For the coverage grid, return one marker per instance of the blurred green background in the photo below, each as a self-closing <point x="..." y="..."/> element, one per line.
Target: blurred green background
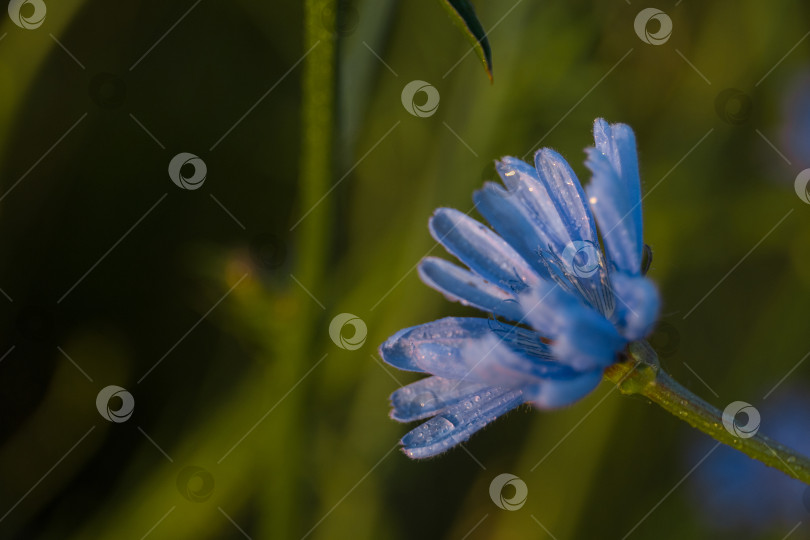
<point x="212" y="306"/>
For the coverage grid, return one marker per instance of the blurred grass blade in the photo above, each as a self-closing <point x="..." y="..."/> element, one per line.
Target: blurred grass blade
<point x="20" y="68"/>
<point x="463" y="14"/>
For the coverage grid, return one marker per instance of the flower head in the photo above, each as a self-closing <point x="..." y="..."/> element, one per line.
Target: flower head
<point x="562" y="308"/>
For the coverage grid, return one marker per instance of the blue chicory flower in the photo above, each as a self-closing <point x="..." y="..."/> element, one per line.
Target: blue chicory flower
<point x="562" y="309"/>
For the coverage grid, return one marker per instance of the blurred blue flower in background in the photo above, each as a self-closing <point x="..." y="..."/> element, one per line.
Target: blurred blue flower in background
<point x="735" y="493"/>
<point x="542" y="268"/>
<point x="795" y="132"/>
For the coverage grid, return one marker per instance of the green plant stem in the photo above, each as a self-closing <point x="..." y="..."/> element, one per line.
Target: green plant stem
<point x="318" y="128"/>
<point x="293" y="344"/>
<point x="641" y="374"/>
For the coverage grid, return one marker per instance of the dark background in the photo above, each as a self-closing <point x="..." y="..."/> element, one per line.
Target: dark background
<point x="109" y="270"/>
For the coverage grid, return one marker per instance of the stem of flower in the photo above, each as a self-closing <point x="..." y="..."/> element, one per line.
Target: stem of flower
<point x="641" y="374"/>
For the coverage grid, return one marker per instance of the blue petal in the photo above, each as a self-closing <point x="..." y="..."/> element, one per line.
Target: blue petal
<point x="615" y="194"/>
<point x="584" y="338"/>
<point x="495" y="360"/>
<point x="430" y="396"/>
<point x="528" y="342"/>
<point x="563" y="187"/>
<point x="462" y="349"/>
<point x="397" y="351"/>
<point x="588" y="342"/>
<point x="587" y="278"/>
<point x="618" y="143"/>
<point x="525" y="185"/>
<point x="637" y="305"/>
<point x="483" y="251"/>
<point x="457" y="423"/>
<point x="552" y="394"/>
<point x="510" y="219"/>
<point x="460" y="285"/>
<point x="549" y="307"/>
<point x="580" y="269"/>
<point x="553" y="198"/>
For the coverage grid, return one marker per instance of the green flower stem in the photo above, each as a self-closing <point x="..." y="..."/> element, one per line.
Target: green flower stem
<point x="318" y="103"/>
<point x="641" y="374"/>
<point x="293" y="344"/>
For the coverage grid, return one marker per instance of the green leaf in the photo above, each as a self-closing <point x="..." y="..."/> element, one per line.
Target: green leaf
<point x="463" y="14"/>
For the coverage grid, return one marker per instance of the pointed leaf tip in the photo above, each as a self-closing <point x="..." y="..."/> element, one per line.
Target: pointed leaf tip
<point x="463" y="15"/>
